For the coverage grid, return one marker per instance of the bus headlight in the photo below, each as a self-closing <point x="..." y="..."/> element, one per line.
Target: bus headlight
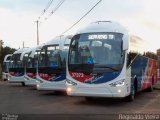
<point x="37" y="85"/>
<point x="9" y="77"/>
<point x="118" y="83"/>
<point x="69" y="82"/>
<point x="69" y="90"/>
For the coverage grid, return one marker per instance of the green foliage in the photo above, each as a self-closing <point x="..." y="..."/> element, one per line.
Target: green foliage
<point x="6" y="50"/>
<point x="151" y="55"/>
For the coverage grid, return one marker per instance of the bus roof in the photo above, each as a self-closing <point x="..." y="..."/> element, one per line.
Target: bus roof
<point x="103" y="26"/>
<point x="21" y="50"/>
<point x="24" y="52"/>
<point x="35" y="49"/>
<point x="61" y="40"/>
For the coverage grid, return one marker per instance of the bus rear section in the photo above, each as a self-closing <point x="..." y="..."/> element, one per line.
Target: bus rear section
<point x="98" y="63"/>
<point x="17" y="66"/>
<point x="31" y="67"/>
<point x="143" y="72"/>
<point x="52" y="64"/>
<point x="5" y="67"/>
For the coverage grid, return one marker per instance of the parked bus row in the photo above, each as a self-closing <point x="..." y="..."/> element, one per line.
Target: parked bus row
<point x="100" y="60"/>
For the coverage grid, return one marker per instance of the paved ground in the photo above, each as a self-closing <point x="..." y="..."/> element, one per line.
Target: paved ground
<point x="15" y="99"/>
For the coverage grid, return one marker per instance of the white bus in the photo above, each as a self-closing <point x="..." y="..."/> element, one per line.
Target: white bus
<point x="17" y="66"/>
<point x="52" y="64"/>
<point x="5" y="67"/>
<point x="105" y="61"/>
<point x="32" y="66"/>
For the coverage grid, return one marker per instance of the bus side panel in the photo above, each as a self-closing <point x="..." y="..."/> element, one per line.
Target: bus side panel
<point x="52" y="73"/>
<point x="150" y="74"/>
<point x="31" y="72"/>
<point x="17" y="72"/>
<point x="143" y="69"/>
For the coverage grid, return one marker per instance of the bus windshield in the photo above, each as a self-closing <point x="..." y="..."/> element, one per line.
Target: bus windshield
<point x="32" y="60"/>
<point x="15" y="61"/>
<point x="51" y="56"/>
<point x="5" y="66"/>
<point x="90" y="51"/>
<point x="6" y="63"/>
<point x="25" y="57"/>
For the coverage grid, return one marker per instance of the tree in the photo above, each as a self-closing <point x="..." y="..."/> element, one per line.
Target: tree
<point x="6" y="50"/>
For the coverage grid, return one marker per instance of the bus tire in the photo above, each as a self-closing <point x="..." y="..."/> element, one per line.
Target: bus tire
<point x="89" y="98"/>
<point x="131" y="97"/>
<point x="151" y="87"/>
<point x="23" y="84"/>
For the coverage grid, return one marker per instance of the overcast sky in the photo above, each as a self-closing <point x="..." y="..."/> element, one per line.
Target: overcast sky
<point x="17" y="19"/>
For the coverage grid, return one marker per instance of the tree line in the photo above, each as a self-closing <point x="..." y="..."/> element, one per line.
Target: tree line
<point x="4" y="51"/>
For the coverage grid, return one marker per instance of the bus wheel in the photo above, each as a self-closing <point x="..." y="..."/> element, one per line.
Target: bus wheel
<point x="89" y="98"/>
<point x="23" y="84"/>
<point x="150" y="89"/>
<point x="131" y="97"/>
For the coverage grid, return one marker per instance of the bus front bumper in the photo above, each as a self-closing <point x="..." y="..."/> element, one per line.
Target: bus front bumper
<point x="14" y="79"/>
<point x="97" y="92"/>
<point x="4" y="76"/>
<point x="58" y="86"/>
<point x="30" y="81"/>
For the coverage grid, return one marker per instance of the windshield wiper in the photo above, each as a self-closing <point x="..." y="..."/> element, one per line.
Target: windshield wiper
<point x="106" y="67"/>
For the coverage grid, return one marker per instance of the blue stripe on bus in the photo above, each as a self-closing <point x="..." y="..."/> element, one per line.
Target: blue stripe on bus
<point x="104" y="77"/>
<point x="58" y="78"/>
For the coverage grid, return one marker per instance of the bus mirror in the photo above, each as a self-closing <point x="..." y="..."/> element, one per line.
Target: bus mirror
<point x="125" y="47"/>
<point x="125" y="42"/>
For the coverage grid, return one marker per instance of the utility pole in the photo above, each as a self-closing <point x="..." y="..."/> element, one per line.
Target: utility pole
<point x="37" y="22"/>
<point x="23" y="44"/>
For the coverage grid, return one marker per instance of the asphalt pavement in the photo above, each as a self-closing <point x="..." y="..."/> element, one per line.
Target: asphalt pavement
<point x="27" y="101"/>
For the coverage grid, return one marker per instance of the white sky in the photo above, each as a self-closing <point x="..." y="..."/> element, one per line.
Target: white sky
<point x="17" y="17"/>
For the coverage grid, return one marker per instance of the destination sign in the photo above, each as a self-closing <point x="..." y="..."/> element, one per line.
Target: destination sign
<point x="100" y="36"/>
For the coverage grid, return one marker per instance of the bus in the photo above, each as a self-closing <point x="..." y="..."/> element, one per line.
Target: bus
<point x="17" y="66"/>
<point x="5" y="67"/>
<point x="104" y="60"/>
<point x="52" y="64"/>
<point x="31" y="67"/>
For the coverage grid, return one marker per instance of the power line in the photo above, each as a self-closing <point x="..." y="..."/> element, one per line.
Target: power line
<point x="43" y="12"/>
<point x="46" y="8"/>
<point x="55" y="9"/>
<point x="82" y="17"/>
